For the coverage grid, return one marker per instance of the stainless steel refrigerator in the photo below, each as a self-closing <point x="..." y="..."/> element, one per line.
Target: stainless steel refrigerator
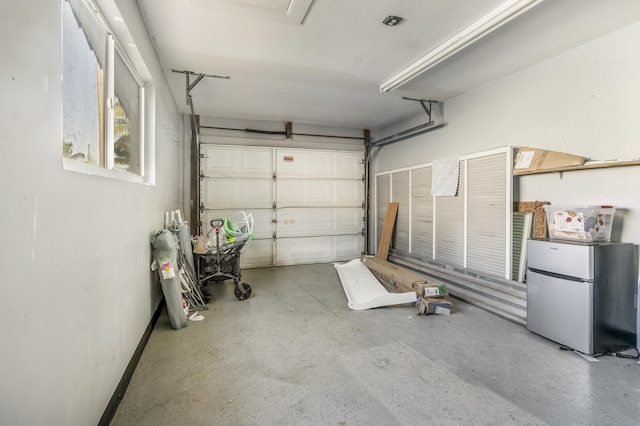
<point x="583" y="295"/>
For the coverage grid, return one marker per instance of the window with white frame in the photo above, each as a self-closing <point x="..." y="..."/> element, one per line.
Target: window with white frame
<point x="103" y="94"/>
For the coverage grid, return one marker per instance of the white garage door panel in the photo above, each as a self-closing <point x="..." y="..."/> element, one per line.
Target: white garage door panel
<point x="319" y="164"/>
<point x="289" y="163"/>
<point x="349" y="221"/>
<point x="257" y="192"/>
<point x="220" y="192"/>
<point x="292" y="251"/>
<point x="219" y="161"/>
<point x="290" y="193"/>
<point x="349" y="165"/>
<point x="262" y="220"/>
<point x="237" y="161"/>
<point x="348" y="247"/>
<point x="257" y="254"/>
<point x="300" y="222"/>
<point x="320" y="221"/>
<point x="319" y="193"/>
<point x="304" y="250"/>
<point x="236" y="193"/>
<point x="258" y="163"/>
<point x="305" y="164"/>
<point x="348" y="193"/>
<point x="291" y="222"/>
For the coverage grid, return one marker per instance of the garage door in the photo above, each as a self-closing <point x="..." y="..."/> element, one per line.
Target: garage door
<point x="307" y="205"/>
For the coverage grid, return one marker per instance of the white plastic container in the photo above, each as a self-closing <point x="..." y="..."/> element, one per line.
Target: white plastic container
<point x="583" y="223"/>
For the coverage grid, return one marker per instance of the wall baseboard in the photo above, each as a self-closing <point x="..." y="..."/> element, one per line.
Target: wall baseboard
<point x="117" y="396"/>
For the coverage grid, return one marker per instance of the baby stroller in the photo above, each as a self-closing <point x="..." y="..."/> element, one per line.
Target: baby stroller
<point x="225" y="243"/>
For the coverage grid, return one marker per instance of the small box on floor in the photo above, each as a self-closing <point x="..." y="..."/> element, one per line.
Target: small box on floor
<point x="429" y="289"/>
<point x="433" y="306"/>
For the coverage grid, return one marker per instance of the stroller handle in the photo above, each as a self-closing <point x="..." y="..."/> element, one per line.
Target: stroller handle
<point x="216" y="223"/>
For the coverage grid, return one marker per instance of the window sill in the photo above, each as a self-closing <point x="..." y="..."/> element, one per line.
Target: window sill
<point x="88" y="169"/>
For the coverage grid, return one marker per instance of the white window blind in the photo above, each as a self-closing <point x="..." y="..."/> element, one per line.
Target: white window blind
<point x="383" y="198"/>
<point x="400" y="193"/>
<point x="470" y="231"/>
<point x="421" y="213"/>
<point x="488" y="250"/>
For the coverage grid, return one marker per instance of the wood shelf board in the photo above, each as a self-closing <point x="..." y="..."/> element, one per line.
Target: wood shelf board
<point x="583" y="167"/>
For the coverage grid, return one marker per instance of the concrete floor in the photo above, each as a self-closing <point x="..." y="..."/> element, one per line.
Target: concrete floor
<point x="294" y="354"/>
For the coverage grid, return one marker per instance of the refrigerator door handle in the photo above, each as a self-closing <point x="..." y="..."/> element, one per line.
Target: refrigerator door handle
<point x="560" y="276"/>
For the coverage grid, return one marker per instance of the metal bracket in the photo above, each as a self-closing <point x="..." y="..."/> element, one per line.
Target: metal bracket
<point x="409" y="133"/>
<point x="189" y="86"/>
<point x="423" y="103"/>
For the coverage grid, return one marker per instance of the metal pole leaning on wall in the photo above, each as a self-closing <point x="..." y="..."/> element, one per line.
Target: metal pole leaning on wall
<point x="367" y="194"/>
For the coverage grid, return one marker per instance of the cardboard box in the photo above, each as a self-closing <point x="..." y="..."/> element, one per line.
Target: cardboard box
<point x="533" y="159"/>
<point x="428" y="306"/>
<point x="539" y="216"/>
<point x="429" y="289"/>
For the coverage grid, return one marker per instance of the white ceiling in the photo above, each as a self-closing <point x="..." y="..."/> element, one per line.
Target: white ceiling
<point x="324" y="65"/>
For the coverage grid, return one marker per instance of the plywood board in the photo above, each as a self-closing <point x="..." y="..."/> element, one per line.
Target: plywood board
<point x="387" y="231"/>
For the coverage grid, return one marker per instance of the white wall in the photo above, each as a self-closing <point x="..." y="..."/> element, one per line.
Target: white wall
<point x="584" y="102"/>
<point x="76" y="291"/>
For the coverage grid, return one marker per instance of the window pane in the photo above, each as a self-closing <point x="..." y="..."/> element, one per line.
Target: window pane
<point x="126" y="131"/>
<point x="83" y="58"/>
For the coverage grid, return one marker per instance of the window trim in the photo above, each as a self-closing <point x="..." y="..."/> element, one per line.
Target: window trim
<point x="146" y="94"/>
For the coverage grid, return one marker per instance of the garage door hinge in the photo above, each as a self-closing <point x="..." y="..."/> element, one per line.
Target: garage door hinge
<point x="274" y="205"/>
<point x="201" y="207"/>
<point x="274" y="236"/>
<point x="274" y="176"/>
<point x="362" y="206"/>
<point x="201" y="175"/>
<point x="363" y="177"/>
<point x="363" y="232"/>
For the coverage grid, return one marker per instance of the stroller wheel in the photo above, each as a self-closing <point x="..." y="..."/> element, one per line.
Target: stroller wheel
<point x="239" y="294"/>
<point x="206" y="294"/>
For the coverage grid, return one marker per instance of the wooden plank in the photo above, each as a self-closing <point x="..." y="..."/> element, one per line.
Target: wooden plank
<point x="387" y="231"/>
<point x="403" y="279"/>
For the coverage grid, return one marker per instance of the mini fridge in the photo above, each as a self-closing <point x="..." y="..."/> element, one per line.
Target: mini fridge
<point x="583" y="295"/>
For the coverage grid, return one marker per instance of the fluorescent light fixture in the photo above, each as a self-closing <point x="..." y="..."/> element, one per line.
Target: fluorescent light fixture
<point x="493" y="20"/>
